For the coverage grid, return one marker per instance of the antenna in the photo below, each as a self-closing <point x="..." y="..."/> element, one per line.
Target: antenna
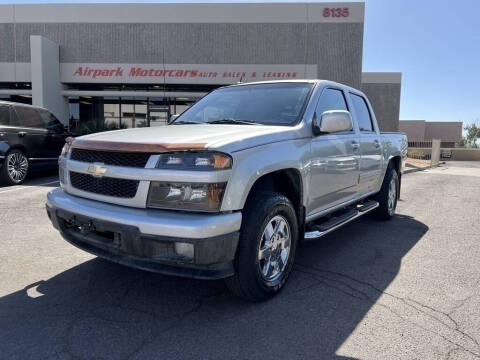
<point x="241" y="78"/>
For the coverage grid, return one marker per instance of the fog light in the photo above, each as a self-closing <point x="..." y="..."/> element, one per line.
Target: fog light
<point x="184" y="249"/>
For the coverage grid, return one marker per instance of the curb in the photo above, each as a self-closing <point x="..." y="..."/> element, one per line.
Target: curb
<point x="408" y="171"/>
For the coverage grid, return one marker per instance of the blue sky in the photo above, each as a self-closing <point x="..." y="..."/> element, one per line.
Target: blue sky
<point x="434" y="43"/>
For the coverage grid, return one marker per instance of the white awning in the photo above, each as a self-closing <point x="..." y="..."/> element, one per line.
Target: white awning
<point x="15" y="92"/>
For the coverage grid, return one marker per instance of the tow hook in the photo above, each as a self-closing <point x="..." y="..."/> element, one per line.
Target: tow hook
<point x="88" y="227"/>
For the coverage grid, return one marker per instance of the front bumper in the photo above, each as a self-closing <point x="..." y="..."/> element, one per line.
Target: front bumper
<point x="145" y="238"/>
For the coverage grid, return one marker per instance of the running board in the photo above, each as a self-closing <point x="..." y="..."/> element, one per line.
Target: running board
<point x="327" y="227"/>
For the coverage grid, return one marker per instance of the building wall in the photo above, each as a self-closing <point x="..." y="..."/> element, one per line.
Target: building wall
<point x="383" y="91"/>
<point x="6" y="39"/>
<point x="465" y="154"/>
<point x="415" y="129"/>
<point x="447" y="131"/>
<point x="46" y="85"/>
<point x="292" y="33"/>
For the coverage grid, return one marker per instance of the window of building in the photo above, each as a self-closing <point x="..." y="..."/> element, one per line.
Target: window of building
<point x="331" y="99"/>
<point x="134" y="112"/>
<point x="125" y="111"/>
<point x="363" y="114"/>
<point x="112" y="110"/>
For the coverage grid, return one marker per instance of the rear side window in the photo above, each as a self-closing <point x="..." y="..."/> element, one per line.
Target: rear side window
<point x="363" y="114"/>
<point x="50" y="121"/>
<point x="4" y="115"/>
<point x="331" y="99"/>
<point x="28" y="117"/>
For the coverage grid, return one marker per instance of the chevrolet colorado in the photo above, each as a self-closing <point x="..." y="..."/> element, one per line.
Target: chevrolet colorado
<point x="232" y="186"/>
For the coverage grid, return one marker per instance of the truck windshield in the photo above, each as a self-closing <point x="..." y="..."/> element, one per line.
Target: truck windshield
<point x="263" y="104"/>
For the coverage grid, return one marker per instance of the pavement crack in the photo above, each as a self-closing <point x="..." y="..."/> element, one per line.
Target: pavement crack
<point x="405" y="308"/>
<point x="199" y="303"/>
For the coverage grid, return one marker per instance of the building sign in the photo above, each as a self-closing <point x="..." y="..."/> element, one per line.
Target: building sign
<point x="182" y="73"/>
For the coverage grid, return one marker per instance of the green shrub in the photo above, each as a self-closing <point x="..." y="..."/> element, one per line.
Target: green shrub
<point x="91" y="127"/>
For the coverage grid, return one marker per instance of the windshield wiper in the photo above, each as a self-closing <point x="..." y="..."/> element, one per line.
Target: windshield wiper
<point x="233" y="121"/>
<point x="182" y="122"/>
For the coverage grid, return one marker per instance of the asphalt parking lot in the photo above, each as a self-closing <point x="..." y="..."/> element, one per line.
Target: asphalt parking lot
<point x="404" y="289"/>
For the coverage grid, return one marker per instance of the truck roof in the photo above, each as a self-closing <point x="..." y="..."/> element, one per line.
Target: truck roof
<point x="312" y="81"/>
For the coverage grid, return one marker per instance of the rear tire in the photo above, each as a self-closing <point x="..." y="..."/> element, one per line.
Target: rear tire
<point x="388" y="195"/>
<point x="266" y="250"/>
<point x="15" y="168"/>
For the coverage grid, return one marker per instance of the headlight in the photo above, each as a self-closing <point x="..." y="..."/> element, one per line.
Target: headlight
<point x="186" y="196"/>
<point x="62" y="171"/>
<point x="66" y="148"/>
<point x="201" y="161"/>
<point x="62" y="162"/>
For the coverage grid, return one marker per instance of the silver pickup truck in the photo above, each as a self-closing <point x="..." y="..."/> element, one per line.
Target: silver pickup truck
<point x="231" y="187"/>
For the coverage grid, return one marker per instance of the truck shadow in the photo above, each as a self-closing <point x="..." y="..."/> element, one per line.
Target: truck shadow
<point x="103" y="310"/>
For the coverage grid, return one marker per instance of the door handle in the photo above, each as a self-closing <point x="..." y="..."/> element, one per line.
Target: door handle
<point x="355" y="145"/>
<point x="377" y="143"/>
<point x="22" y="133"/>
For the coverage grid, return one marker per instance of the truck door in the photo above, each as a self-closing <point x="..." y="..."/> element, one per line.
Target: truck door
<point x="334" y="163"/>
<point x="370" y="145"/>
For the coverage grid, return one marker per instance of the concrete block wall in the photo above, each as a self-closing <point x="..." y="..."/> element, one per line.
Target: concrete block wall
<point x="226" y="33"/>
<point x="465" y="154"/>
<point x="383" y="90"/>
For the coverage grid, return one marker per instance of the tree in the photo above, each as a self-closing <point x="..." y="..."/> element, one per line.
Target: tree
<point x="473" y="133"/>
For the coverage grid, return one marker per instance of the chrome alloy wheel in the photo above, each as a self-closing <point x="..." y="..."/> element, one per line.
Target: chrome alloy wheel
<point x="274" y="248"/>
<point x="392" y="196"/>
<point x="17" y="166"/>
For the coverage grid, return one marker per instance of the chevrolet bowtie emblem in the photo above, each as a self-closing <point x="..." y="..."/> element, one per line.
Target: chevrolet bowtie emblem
<point x="97" y="169"/>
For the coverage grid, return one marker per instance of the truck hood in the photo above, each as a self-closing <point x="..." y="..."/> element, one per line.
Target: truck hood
<point x="227" y="138"/>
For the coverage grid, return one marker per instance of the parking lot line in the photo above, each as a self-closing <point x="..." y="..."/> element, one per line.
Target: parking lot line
<point x="29" y="186"/>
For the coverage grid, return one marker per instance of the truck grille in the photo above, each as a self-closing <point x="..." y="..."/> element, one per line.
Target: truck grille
<point x="104" y="186"/>
<point x="111" y="158"/>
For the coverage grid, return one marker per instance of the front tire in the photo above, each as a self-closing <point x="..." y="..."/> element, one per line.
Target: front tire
<point x="15" y="168"/>
<point x="388" y="195"/>
<point x="266" y="250"/>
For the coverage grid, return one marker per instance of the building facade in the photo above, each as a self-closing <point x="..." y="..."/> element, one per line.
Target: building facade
<point x="448" y="132"/>
<point x="135" y="64"/>
<point x="383" y="90"/>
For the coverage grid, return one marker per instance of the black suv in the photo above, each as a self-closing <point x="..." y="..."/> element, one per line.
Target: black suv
<point x="30" y="137"/>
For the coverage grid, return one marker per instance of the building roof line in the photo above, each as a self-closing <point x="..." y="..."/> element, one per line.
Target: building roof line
<point x="291" y="12"/>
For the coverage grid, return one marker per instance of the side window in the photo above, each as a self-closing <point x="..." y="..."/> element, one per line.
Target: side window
<point x="28" y="117"/>
<point x="363" y="114"/>
<point x="50" y="121"/>
<point x="4" y="115"/>
<point x="331" y="99"/>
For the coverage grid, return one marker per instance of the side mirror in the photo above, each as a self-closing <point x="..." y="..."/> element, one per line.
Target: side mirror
<point x="332" y="121"/>
<point x="173" y="118"/>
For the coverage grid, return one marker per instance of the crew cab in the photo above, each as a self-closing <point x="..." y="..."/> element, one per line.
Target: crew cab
<point x="30" y="137"/>
<point x="231" y="187"/>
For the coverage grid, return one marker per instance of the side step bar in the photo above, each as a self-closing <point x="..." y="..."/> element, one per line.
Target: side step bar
<point x="323" y="229"/>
